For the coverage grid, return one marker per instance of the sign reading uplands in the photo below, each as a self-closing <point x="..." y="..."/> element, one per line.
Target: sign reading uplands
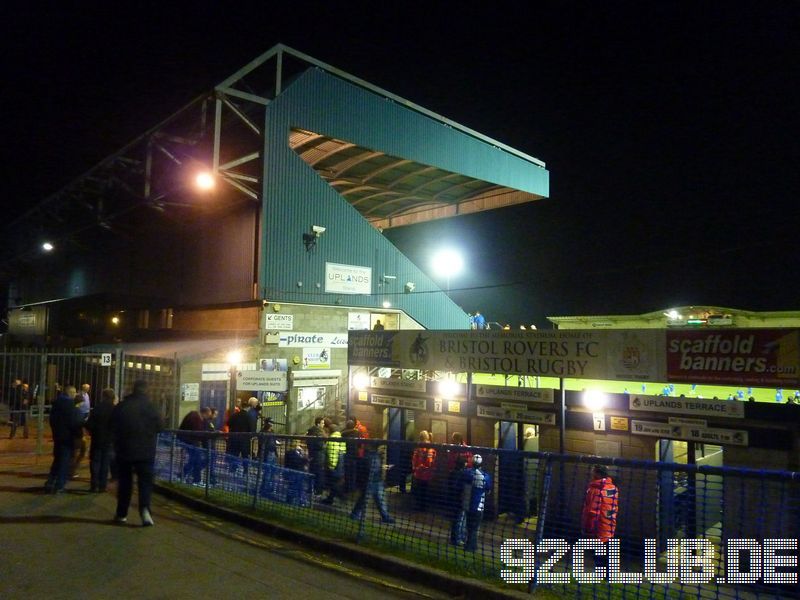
<point x="765" y="357"/>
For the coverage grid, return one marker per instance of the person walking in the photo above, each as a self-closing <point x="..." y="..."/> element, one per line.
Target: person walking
<point x="99" y="426"/>
<point x="373" y="486"/>
<point x="135" y="423"/>
<point x="65" y="420"/>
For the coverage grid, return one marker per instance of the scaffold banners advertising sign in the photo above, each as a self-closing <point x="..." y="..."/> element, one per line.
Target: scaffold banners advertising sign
<point x="347" y="279"/>
<point x="757" y="357"/>
<point x="518" y="394"/>
<point x="688" y="406"/>
<point x="619" y="354"/>
<point x="261" y="381"/>
<point x="371" y="348"/>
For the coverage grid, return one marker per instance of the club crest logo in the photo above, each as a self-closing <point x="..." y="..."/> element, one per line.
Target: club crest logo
<point x="418" y="353"/>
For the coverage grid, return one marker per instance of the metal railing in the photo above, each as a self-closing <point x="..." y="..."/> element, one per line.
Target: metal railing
<point x="420" y="501"/>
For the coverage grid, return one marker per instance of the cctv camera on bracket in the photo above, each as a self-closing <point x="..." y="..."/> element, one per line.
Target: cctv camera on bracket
<point x="317" y="230"/>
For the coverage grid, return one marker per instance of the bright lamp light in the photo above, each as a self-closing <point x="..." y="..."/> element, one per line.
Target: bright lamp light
<point x="448" y="388"/>
<point x="234" y="357"/>
<point x="47" y="246"/>
<point x="447" y="263"/>
<point x="387" y="304"/>
<point x="360" y="381"/>
<point x="204" y="181"/>
<point x="594" y="400"/>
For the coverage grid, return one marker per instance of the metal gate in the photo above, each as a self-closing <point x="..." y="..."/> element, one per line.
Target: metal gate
<point x="30" y="379"/>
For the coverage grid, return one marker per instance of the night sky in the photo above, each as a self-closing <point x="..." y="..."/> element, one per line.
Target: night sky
<point x="669" y="129"/>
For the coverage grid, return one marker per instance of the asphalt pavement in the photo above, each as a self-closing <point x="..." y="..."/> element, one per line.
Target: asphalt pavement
<point x="67" y="546"/>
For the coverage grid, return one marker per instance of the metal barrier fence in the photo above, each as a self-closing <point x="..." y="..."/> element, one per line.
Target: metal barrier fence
<point x="673" y="525"/>
<point x="31" y="378"/>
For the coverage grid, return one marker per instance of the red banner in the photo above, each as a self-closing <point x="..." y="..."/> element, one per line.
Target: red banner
<point x="752" y="357"/>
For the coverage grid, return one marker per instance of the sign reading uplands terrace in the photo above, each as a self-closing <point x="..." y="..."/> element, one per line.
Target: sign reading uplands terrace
<point x="617" y="354"/>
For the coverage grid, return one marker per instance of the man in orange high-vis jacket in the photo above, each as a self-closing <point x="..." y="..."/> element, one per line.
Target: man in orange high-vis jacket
<point x="600" y="506"/>
<point x="422" y="464"/>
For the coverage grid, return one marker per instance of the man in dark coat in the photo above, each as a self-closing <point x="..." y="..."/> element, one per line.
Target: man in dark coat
<point x="238" y="443"/>
<point x="99" y="426"/>
<point x="65" y="421"/>
<point x="135" y="424"/>
<point x="316" y="454"/>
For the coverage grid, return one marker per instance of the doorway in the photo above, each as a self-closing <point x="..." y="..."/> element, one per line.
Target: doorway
<point x="512" y="470"/>
<point x="214" y="394"/>
<point x="690" y="503"/>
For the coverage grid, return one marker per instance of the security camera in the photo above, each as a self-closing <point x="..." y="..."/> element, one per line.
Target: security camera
<point x="318" y="230"/>
<point x="410" y="287"/>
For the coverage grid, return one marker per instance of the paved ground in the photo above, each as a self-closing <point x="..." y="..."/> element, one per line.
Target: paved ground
<point x="66" y="546"/>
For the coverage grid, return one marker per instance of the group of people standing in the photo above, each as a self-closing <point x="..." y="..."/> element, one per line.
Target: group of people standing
<point x="464" y="492"/>
<point x="123" y="434"/>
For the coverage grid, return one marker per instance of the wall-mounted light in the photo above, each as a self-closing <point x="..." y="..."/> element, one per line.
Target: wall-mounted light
<point x="115" y="320"/>
<point x="595" y="400"/>
<point x="234" y="357"/>
<point x="448" y="388"/>
<point x="360" y="381"/>
<point x="47" y="247"/>
<point x="387" y="304"/>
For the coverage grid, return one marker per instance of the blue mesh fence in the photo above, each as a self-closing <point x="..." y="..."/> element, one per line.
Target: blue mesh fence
<point x="459" y="508"/>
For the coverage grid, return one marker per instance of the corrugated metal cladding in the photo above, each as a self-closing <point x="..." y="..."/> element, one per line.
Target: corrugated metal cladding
<point x="217" y="263"/>
<point x="295" y="197"/>
<point x="205" y="262"/>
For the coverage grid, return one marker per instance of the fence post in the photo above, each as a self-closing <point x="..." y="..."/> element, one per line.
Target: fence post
<point x="118" y="376"/>
<point x="261" y="466"/>
<point x="172" y="458"/>
<point x="208" y="466"/>
<point x="40" y="402"/>
<point x="548" y="476"/>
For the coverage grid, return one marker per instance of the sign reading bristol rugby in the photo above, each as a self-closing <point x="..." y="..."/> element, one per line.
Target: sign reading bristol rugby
<point x="741" y="357"/>
<point x="347" y="279"/>
<point x="607" y="354"/>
